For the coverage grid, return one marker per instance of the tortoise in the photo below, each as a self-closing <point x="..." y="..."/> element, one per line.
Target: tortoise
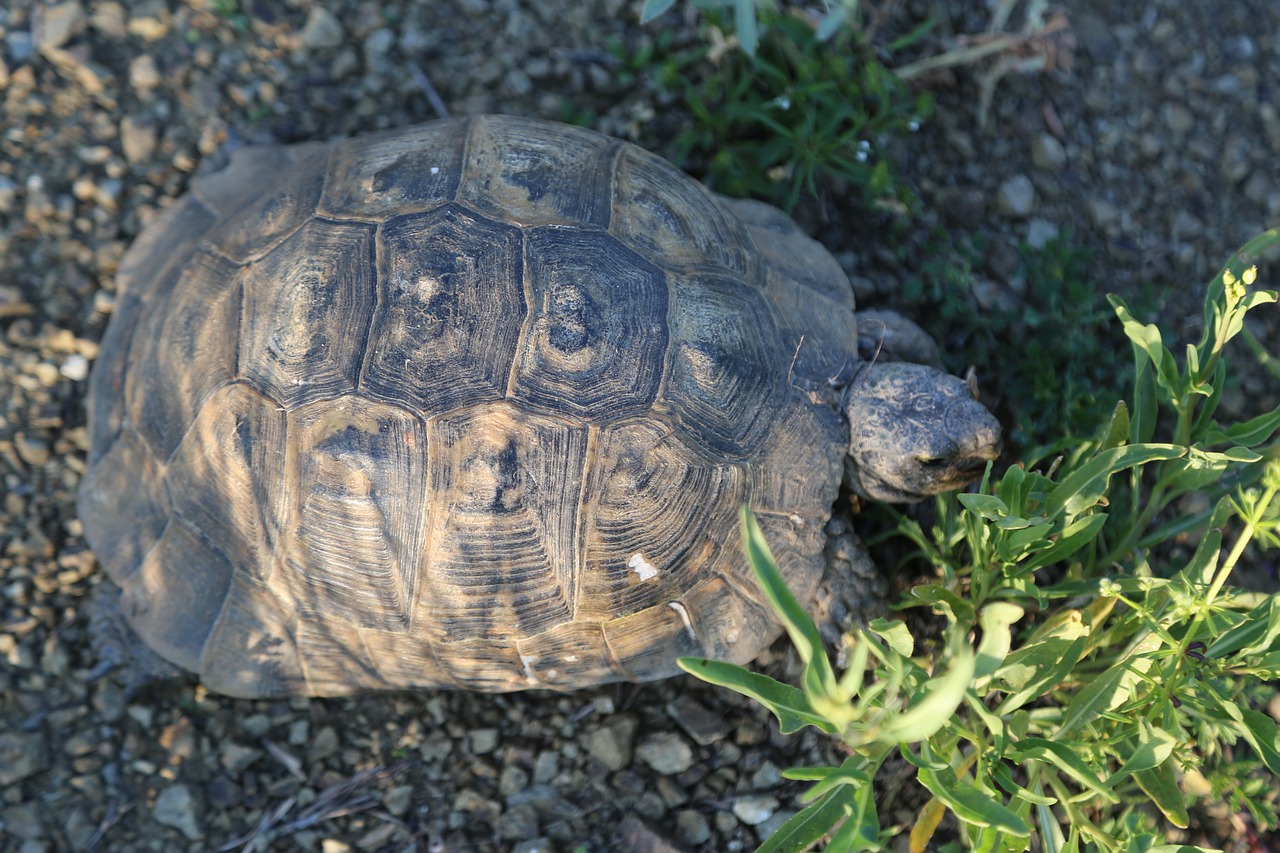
<point x="474" y="404"/>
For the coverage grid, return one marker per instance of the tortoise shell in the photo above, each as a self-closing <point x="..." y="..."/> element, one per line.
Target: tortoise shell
<point x="469" y="404"/>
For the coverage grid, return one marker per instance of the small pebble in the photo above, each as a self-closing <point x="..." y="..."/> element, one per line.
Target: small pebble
<point x="666" y="752"/>
<point x="177" y="807"/>
<point x="1047" y="153"/>
<point x="321" y="31"/>
<point x="755" y="808"/>
<point x="56" y="25"/>
<point x="483" y="741"/>
<point x="1016" y="197"/>
<point x="143" y="74"/>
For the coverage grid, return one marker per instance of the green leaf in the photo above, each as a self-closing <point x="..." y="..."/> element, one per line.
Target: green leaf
<point x="831" y="23"/>
<point x="941" y="697"/>
<point x="787" y="703"/>
<point x="1199" y="468"/>
<point x="795" y="619"/>
<point x="744" y="20"/>
<point x="1161" y="785"/>
<point x="861" y="830"/>
<point x="972" y="804"/>
<point x="1147" y="339"/>
<point x="1103" y="693"/>
<point x="1003" y="777"/>
<point x="1116" y="432"/>
<point x="1252" y="432"/>
<point x="1154" y="746"/>
<point x="1256" y="634"/>
<point x="848" y="773"/>
<point x="1043" y="662"/>
<point x="896" y="635"/>
<point x="1084" y="487"/>
<point x="1261" y="733"/>
<point x="653" y="8"/>
<point x="987" y="506"/>
<point x="1200" y="569"/>
<point x="1065" y="759"/>
<point x="804" y="828"/>
<point x="1146" y="402"/>
<point x="1073" y="537"/>
<point x="956" y="608"/>
<point x="996" y="620"/>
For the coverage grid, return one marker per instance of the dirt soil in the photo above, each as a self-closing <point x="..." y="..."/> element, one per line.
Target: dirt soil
<point x="1155" y="146"/>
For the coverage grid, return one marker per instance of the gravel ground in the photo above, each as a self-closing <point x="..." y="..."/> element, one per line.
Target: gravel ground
<point x="1156" y="148"/>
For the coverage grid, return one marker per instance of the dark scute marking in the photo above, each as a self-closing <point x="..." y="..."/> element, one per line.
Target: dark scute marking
<point x="536" y="179"/>
<point x="727" y="383"/>
<point x="383" y="174"/>
<point x="504" y="502"/>
<point x="535" y="173"/>
<point x="571" y="315"/>
<point x="671" y="218"/>
<point x="359" y="482"/>
<point x="307" y="312"/>
<point x="595" y="342"/>
<point x="450" y="308"/>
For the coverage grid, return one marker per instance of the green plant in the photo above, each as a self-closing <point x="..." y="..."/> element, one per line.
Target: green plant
<point x="1115" y="677"/>
<point x="797" y="116"/>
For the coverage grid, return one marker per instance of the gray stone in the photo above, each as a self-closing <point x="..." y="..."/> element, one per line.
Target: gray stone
<point x="692" y="827"/>
<point x="639" y="837"/>
<point x="698" y="723"/>
<point x="1102" y="213"/>
<point x="177" y="807"/>
<point x="254" y="725"/>
<point x="613" y="743"/>
<point x="1177" y="118"/>
<point x="484" y="741"/>
<point x="56" y="25"/>
<point x="512" y="780"/>
<point x="22" y="754"/>
<point x="1017" y="196"/>
<point x="1047" y="153"/>
<point x="137" y="139"/>
<point x="534" y="845"/>
<point x="19" y="45"/>
<point x="143" y="74"/>
<point x="666" y="752"/>
<point x="23" y="821"/>
<point x="322" y="30"/>
<point x="236" y="757"/>
<point x="767" y="776"/>
<point x="398" y="799"/>
<point x="519" y="822"/>
<point x="323" y="745"/>
<point x="1040" y="232"/>
<point x="754" y="809"/>
<point x="545" y="767"/>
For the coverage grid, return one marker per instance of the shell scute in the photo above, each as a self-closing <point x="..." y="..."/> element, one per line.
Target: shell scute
<point x="598" y="327"/>
<point x="307" y="307"/>
<point x="450" y="308"/>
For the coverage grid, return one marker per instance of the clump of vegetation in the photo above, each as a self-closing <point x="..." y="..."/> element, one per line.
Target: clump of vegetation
<point x="803" y="113"/>
<point x="1117" y="676"/>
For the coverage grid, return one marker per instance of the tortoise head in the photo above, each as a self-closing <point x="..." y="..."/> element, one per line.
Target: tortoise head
<point x="915" y="431"/>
